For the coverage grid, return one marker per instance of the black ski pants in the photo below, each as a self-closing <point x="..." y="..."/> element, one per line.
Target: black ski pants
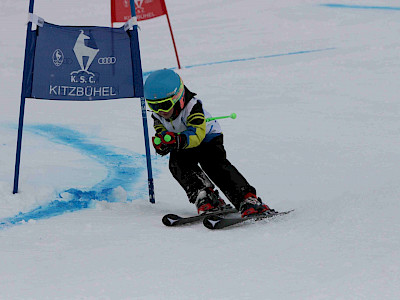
<point x="215" y="168"/>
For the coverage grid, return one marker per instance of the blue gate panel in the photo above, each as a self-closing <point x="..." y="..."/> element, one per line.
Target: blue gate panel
<point x="82" y="63"/>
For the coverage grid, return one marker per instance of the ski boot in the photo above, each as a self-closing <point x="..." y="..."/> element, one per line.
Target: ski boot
<point x="208" y="200"/>
<point x="252" y="205"/>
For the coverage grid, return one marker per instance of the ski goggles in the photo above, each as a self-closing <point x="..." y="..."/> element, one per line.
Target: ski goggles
<point x="165" y="105"/>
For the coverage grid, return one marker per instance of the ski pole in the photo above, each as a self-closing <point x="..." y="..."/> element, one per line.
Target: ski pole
<point x="232" y="116"/>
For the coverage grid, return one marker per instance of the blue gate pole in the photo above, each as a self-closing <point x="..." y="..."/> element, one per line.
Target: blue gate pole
<point x="138" y="85"/>
<point x="147" y="145"/>
<point x="27" y="69"/>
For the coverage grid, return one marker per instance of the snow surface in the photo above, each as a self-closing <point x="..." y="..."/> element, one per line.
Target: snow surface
<point x="316" y="89"/>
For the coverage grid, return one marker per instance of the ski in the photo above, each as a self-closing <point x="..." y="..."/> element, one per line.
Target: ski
<point x="219" y="222"/>
<point x="175" y="220"/>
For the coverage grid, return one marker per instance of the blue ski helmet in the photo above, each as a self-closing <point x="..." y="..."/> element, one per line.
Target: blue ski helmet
<point x="163" y="89"/>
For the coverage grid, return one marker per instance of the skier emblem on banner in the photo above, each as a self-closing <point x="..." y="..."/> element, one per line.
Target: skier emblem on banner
<point x="138" y="6"/>
<point x="81" y="51"/>
<point x="58" y="57"/>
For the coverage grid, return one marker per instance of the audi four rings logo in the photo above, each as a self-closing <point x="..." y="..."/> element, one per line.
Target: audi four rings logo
<point x="107" y="60"/>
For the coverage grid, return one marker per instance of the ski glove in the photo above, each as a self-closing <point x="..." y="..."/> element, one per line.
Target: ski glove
<point x="160" y="147"/>
<point x="166" y="142"/>
<point x="173" y="140"/>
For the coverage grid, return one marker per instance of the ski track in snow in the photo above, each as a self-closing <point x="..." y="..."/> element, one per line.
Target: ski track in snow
<point x="123" y="171"/>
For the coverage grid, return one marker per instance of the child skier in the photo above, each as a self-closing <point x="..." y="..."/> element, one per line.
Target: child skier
<point x="182" y="130"/>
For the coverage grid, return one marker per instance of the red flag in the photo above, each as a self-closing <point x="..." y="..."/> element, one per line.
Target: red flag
<point x="145" y="9"/>
<point x="148" y="9"/>
<point x="120" y="11"/>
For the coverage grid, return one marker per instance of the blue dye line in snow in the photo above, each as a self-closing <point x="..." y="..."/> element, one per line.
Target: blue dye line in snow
<point x="122" y="171"/>
<point x="333" y="5"/>
<point x="145" y="74"/>
<point x="54" y="208"/>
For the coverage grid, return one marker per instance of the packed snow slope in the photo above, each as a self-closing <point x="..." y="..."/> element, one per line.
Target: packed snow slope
<point x="315" y="85"/>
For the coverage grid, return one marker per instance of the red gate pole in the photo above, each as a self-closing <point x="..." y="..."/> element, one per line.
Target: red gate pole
<point x="172" y="34"/>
